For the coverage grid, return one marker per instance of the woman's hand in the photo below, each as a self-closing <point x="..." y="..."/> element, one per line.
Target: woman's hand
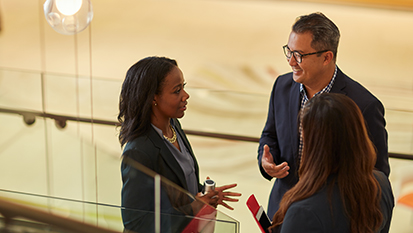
<point x="227" y="196"/>
<point x="210" y="197"/>
<point x="219" y="196"/>
<point x="216" y="197"/>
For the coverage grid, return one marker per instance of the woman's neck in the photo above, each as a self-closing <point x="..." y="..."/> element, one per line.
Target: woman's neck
<point x="162" y="125"/>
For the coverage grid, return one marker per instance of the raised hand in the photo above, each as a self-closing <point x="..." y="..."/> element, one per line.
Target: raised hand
<point x="267" y="162"/>
<point x="219" y="196"/>
<point x="227" y="196"/>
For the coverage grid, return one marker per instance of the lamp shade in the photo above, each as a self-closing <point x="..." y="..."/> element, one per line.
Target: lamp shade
<point x="68" y="17"/>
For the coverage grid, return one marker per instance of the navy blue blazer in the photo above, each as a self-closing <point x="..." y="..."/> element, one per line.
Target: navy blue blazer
<point x="280" y="132"/>
<point x="313" y="214"/>
<point x="138" y="188"/>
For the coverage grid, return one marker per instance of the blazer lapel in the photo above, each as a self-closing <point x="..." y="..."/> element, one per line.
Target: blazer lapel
<point x="167" y="156"/>
<point x="294" y="103"/>
<point x="339" y="84"/>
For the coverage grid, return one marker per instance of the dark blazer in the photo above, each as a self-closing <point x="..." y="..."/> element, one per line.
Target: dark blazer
<point x="280" y="132"/>
<point x="313" y="214"/>
<point x="138" y="188"/>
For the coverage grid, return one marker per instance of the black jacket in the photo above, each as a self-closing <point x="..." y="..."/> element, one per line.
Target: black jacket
<point x="138" y="188"/>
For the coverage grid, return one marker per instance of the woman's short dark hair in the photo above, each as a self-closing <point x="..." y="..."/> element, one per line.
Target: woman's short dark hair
<point x="325" y="33"/>
<point x="142" y="82"/>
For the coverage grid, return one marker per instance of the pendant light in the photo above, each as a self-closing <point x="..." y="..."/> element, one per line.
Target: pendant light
<point x="68" y="17"/>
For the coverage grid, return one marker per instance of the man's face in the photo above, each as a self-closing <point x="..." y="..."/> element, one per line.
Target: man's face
<point x="311" y="66"/>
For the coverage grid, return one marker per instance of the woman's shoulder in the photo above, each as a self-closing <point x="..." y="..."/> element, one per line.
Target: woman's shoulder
<point x="319" y="213"/>
<point x="317" y="203"/>
<point x="136" y="143"/>
<point x="386" y="189"/>
<point x="382" y="179"/>
<point x="145" y="143"/>
<point x="386" y="200"/>
<point x="143" y="150"/>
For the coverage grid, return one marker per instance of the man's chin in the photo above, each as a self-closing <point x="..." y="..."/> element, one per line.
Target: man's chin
<point x="296" y="78"/>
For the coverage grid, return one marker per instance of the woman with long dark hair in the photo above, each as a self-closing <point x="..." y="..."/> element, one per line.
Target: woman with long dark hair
<point x="151" y="100"/>
<point x="338" y="189"/>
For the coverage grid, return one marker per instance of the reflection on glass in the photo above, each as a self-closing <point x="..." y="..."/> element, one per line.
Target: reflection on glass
<point x="180" y="211"/>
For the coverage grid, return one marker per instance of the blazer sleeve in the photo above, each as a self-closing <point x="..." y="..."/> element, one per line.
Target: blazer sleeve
<point x="269" y="136"/>
<point x="376" y="126"/>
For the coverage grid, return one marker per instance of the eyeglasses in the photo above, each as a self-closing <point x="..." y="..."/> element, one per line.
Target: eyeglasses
<point x="298" y="56"/>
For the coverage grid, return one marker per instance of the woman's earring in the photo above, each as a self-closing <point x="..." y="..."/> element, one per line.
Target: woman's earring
<point x="156" y="104"/>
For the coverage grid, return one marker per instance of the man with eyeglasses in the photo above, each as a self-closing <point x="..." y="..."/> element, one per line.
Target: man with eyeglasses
<point x="311" y="52"/>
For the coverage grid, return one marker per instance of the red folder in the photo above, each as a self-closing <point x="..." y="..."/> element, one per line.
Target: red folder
<point x="254" y="207"/>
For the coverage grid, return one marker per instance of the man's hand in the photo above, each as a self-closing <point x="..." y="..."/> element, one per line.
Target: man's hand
<point x="267" y="162"/>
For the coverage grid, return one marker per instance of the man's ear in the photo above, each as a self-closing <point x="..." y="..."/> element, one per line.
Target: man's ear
<point x="328" y="57"/>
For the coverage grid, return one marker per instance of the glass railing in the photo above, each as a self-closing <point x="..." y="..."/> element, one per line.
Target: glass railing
<point x="178" y="210"/>
<point x="41" y="213"/>
<point x="158" y="206"/>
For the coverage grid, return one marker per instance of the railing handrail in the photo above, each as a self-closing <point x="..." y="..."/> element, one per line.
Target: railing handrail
<point x="29" y="115"/>
<point x="11" y="210"/>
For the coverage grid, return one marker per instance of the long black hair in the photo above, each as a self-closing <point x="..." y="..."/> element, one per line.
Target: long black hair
<point x="143" y="81"/>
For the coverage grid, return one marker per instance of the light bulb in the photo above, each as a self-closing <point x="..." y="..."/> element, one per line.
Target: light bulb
<point x="68" y="17"/>
<point x="68" y="7"/>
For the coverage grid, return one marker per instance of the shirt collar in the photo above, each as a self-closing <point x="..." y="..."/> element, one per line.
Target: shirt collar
<point x="326" y="89"/>
<point x="159" y="131"/>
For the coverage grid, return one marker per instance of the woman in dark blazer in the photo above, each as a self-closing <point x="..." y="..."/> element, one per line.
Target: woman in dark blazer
<point x="151" y="100"/>
<point x="338" y="189"/>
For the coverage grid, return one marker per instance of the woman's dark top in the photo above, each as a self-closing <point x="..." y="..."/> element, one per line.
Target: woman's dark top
<point x="138" y="200"/>
<point x="313" y="214"/>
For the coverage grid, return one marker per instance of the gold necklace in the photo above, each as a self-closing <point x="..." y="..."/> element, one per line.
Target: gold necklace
<point x="173" y="138"/>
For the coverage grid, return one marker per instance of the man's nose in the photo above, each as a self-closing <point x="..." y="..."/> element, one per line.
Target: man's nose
<point x="292" y="61"/>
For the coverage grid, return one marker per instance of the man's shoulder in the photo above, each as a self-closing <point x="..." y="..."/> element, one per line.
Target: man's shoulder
<point x="284" y="86"/>
<point x="285" y="80"/>
<point x="287" y="77"/>
<point x="353" y="84"/>
<point x="353" y="89"/>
